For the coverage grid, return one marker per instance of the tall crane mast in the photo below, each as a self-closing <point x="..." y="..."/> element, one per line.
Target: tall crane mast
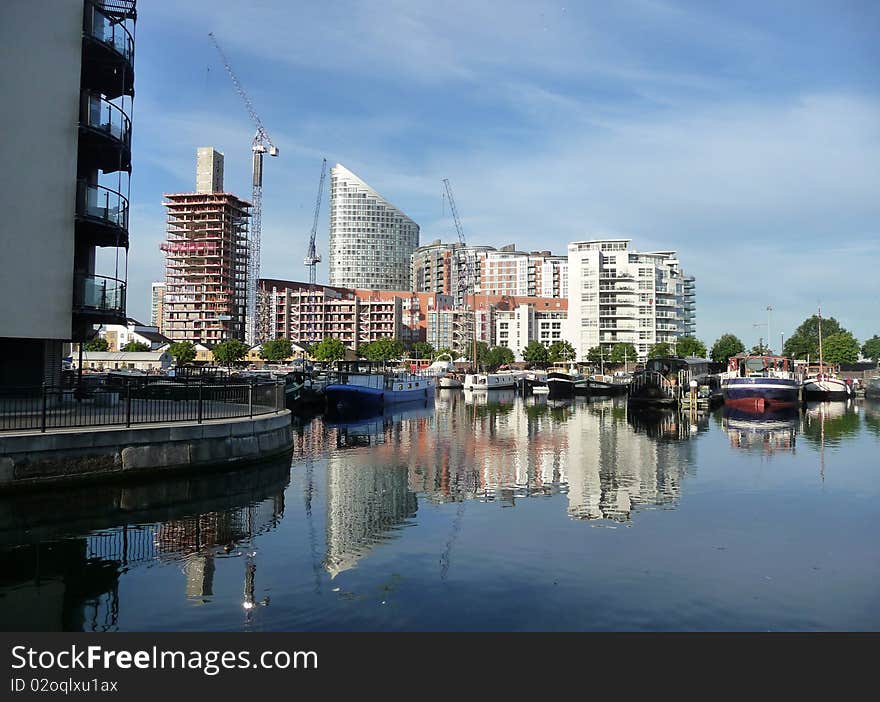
<point x="313" y="257"/>
<point x="261" y="144"/>
<point x="469" y="280"/>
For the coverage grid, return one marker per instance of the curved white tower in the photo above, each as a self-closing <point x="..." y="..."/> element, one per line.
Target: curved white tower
<point x="371" y="241"/>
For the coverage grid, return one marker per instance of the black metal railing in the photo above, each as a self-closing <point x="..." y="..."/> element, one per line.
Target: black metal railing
<point x="99" y="25"/>
<point x="101" y="115"/>
<point x="98" y="292"/>
<point x="117" y="400"/>
<point x="101" y="203"/>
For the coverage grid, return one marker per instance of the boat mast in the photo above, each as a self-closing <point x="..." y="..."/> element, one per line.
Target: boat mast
<point x="821" y="364"/>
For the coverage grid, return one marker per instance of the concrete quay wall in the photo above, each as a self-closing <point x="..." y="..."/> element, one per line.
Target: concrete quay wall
<point x="74" y="455"/>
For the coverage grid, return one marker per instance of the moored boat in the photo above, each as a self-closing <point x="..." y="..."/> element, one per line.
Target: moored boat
<point x="361" y="385"/>
<point x="872" y="389"/>
<point x="604" y="385"/>
<point x="760" y="383"/>
<point x="489" y="381"/>
<point x="450" y="381"/>
<point x="561" y="381"/>
<point x="826" y="386"/>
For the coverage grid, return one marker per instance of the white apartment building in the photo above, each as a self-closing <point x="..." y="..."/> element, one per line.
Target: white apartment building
<point x="617" y="294"/>
<point x="371" y="241"/>
<point x="515" y="329"/>
<point x="520" y="326"/>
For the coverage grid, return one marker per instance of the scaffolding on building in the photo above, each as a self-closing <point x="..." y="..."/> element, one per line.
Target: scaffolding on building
<point x="206" y="266"/>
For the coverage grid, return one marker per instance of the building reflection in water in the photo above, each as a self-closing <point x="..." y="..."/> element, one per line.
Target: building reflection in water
<point x="493" y="447"/>
<point x="54" y="577"/>
<point x="766" y="432"/>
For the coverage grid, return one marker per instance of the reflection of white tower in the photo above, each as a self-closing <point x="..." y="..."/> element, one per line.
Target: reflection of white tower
<point x="364" y="503"/>
<point x="615" y="467"/>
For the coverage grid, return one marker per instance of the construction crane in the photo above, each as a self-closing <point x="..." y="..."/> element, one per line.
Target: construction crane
<point x="312" y="257"/>
<point x="469" y="280"/>
<point x="261" y="144"/>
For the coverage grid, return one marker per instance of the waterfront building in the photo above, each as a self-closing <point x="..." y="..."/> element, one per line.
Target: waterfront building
<point x="439" y="267"/>
<point x="540" y="319"/>
<point x="206" y="258"/>
<point x="371" y="240"/>
<point x="66" y="150"/>
<point x="122" y="360"/>
<point x="157" y="305"/>
<point x="617" y="294"/>
<point x="445" y="269"/>
<point x="291" y="310"/>
<point x="523" y="274"/>
<point x="118" y="335"/>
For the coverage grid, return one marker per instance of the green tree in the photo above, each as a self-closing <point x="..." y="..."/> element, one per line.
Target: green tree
<point x="759" y="349"/>
<point x="183" y="352"/>
<point x="725" y="346"/>
<point x="99" y="343"/>
<point x="594" y="355"/>
<point x="134" y="346"/>
<point x="230" y="351"/>
<point x="622" y="351"/>
<point x="276" y="350"/>
<point x="841" y="347"/>
<point x="690" y="346"/>
<point x="381" y="350"/>
<point x="535" y="353"/>
<point x="328" y="349"/>
<point x="661" y="350"/>
<point x="561" y="352"/>
<point x="871" y="348"/>
<point x="482" y="349"/>
<point x="804" y="343"/>
<point x="422" y="349"/>
<point x="498" y="356"/>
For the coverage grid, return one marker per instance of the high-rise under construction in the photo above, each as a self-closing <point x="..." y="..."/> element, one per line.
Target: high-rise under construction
<point x="206" y="258"/>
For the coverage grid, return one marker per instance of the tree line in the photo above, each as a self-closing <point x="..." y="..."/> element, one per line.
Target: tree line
<point x="838" y="346"/>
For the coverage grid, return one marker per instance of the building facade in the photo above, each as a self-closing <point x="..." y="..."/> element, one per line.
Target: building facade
<point x="206" y="262"/>
<point x="371" y="240"/>
<point x="118" y="335"/>
<point x="448" y="269"/>
<point x="157" y="305"/>
<point x="617" y="294"/>
<point x="459" y="270"/>
<point x="293" y="311"/>
<point x="67" y="150"/>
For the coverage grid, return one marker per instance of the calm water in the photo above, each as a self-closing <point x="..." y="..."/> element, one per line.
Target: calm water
<point x="478" y="515"/>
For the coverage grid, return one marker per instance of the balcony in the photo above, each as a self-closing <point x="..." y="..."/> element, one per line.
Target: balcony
<point x="101" y="215"/>
<point x="108" y="47"/>
<point x="104" y="135"/>
<point x="99" y="298"/>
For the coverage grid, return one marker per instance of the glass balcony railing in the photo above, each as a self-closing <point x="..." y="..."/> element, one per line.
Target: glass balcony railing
<point x="103" y="116"/>
<point x="98" y="202"/>
<point x="107" y="30"/>
<point x="98" y="293"/>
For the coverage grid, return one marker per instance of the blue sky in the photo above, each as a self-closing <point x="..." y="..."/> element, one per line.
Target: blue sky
<point x="744" y="135"/>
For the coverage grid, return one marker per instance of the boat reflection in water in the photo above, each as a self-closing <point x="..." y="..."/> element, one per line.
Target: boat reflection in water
<point x="62" y="553"/>
<point x="766" y="432"/>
